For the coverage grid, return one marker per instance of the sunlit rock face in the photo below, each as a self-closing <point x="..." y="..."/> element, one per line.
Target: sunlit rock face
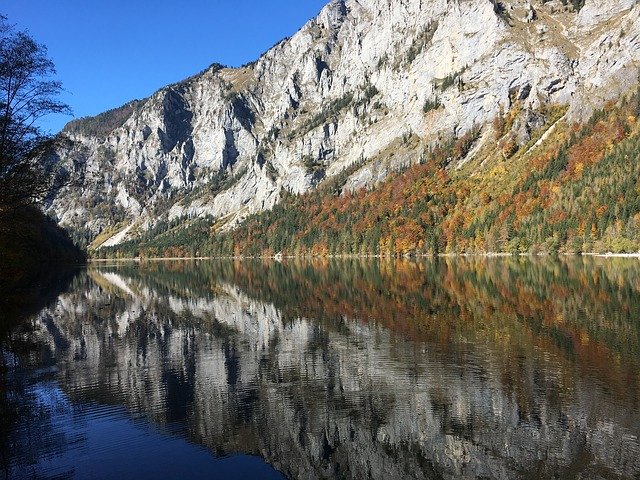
<point x="435" y="370"/>
<point x="348" y="89"/>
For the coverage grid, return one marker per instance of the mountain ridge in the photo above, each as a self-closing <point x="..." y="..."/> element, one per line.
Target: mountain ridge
<point x="353" y="83"/>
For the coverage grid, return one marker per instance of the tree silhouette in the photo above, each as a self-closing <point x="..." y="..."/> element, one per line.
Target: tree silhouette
<point x="27" y="93"/>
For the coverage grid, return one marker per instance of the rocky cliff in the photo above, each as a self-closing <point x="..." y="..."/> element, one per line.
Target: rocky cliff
<point x="367" y="84"/>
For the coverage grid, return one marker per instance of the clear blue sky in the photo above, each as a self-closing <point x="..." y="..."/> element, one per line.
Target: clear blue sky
<point x="109" y="52"/>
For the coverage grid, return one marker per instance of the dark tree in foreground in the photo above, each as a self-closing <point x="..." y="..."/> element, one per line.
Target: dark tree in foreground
<point x="27" y="93"/>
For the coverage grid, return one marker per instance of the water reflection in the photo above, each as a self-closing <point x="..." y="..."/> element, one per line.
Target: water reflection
<point x="454" y="368"/>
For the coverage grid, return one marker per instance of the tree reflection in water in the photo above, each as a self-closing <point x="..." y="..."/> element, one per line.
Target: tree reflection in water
<point x="445" y="368"/>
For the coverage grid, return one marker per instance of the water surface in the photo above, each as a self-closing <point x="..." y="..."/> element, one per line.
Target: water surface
<point x="447" y="368"/>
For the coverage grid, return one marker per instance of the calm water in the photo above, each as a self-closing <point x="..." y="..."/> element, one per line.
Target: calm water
<point x="451" y="368"/>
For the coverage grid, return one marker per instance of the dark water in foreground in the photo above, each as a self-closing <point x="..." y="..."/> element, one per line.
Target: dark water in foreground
<point x="452" y="368"/>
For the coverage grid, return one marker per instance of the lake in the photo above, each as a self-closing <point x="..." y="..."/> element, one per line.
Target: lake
<point x="442" y="368"/>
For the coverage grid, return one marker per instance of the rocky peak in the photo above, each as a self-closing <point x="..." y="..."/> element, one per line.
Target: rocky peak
<point x="333" y="15"/>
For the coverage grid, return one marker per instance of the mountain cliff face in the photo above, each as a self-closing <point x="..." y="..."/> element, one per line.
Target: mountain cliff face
<point x="354" y="84"/>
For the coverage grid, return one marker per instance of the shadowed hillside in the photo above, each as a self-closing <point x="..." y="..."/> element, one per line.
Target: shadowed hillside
<point x="37" y="257"/>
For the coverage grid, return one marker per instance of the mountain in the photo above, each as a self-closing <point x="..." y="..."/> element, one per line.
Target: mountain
<point x="366" y="89"/>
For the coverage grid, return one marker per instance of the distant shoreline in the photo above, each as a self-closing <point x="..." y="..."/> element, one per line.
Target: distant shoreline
<point x="440" y="255"/>
<point x="612" y="255"/>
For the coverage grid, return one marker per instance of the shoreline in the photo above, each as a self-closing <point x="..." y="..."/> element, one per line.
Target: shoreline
<point x="612" y="255"/>
<point x="364" y="257"/>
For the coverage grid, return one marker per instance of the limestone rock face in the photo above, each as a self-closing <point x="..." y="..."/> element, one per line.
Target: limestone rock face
<point x="342" y="91"/>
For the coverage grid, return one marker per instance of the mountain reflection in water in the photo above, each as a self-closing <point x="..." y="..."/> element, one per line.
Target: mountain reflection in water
<point x="446" y="368"/>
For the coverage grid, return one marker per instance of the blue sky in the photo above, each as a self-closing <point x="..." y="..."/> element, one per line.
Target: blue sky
<point x="109" y="52"/>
